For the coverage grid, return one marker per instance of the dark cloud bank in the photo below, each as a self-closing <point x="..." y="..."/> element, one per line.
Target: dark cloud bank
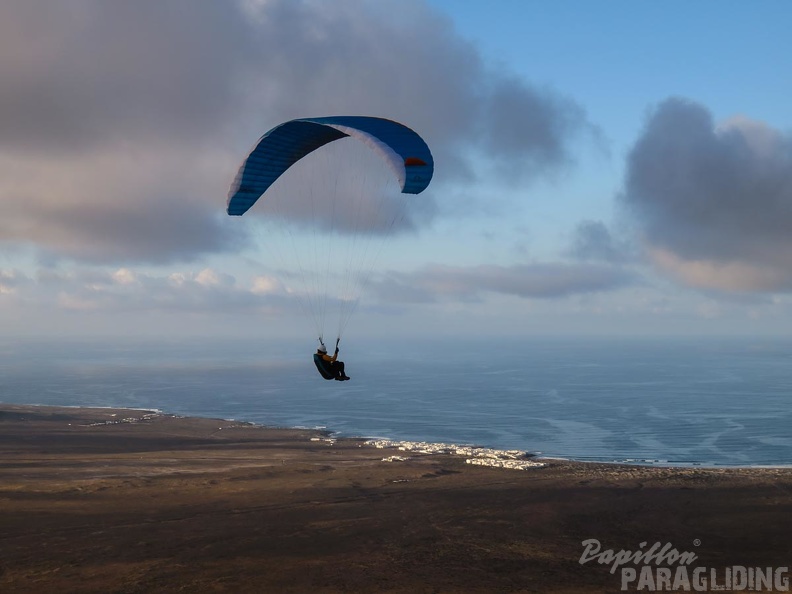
<point x="120" y="122"/>
<point x="540" y="281"/>
<point x="713" y="203"/>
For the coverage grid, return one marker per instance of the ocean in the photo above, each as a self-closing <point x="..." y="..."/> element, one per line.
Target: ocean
<point x="711" y="402"/>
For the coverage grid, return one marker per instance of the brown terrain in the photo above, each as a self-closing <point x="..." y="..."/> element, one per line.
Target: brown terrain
<point x="158" y="503"/>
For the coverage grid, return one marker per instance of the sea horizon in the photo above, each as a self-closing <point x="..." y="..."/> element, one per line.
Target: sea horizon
<point x="666" y="401"/>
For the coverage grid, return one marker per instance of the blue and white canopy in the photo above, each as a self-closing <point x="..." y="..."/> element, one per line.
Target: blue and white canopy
<point x="405" y="152"/>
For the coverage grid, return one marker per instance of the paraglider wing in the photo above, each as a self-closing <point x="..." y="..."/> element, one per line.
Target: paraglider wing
<point x="405" y="152"/>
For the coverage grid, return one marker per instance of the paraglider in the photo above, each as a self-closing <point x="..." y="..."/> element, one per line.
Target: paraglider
<point x="280" y="148"/>
<point x="329" y="367"/>
<point x="284" y="148"/>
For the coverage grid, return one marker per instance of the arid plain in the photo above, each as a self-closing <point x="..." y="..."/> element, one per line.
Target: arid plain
<point x="102" y="500"/>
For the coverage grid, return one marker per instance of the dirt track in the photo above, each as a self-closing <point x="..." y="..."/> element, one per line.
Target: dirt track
<point x="165" y="504"/>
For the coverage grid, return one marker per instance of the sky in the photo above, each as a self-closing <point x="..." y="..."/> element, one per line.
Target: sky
<point x="617" y="168"/>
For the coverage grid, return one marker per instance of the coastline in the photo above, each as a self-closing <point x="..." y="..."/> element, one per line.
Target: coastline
<point x="439" y="447"/>
<point x="93" y="502"/>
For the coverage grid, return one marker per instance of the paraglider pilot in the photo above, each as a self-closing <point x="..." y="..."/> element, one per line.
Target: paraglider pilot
<point x="329" y="367"/>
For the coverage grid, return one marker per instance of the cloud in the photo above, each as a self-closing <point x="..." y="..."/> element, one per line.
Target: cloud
<point x="593" y="241"/>
<point x="529" y="281"/>
<point x="126" y="290"/>
<point x="125" y="204"/>
<point x="10" y="280"/>
<point x="80" y="77"/>
<point x="728" y="276"/>
<point x="121" y="123"/>
<point x="713" y="202"/>
<point x="266" y="285"/>
<point x="527" y="129"/>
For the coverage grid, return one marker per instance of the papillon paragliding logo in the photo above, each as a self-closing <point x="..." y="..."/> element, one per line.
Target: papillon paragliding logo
<point x="662" y="567"/>
<point x="284" y="148"/>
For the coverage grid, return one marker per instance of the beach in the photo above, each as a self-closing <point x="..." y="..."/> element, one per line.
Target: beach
<point x="117" y="500"/>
